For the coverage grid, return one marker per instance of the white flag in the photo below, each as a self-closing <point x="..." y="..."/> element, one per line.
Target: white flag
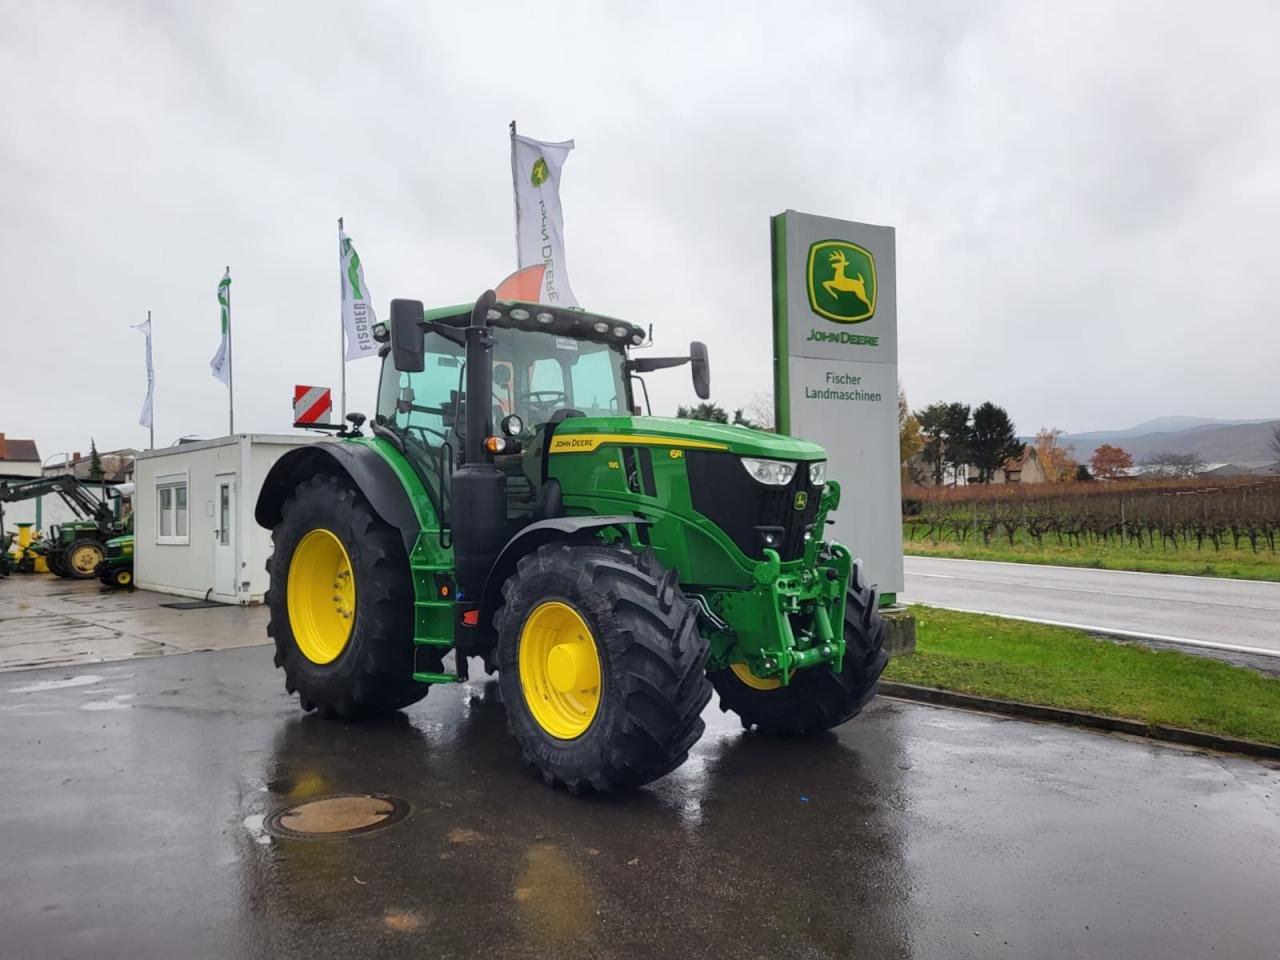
<point x="144" y="418"/>
<point x="357" y="307"/>
<point x="220" y="365"/>
<point x="535" y="173"/>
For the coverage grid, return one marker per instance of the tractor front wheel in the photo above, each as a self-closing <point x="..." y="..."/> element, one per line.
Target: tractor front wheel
<point x="120" y="577"/>
<point x="81" y="558"/>
<point x="601" y="666"/>
<point x="817" y="698"/>
<point x="341" y="603"/>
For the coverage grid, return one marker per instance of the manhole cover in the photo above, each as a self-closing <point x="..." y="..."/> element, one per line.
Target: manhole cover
<point x="329" y="818"/>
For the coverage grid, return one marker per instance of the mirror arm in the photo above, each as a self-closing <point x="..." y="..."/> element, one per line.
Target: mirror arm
<point x="454" y="335"/>
<point x="649" y="364"/>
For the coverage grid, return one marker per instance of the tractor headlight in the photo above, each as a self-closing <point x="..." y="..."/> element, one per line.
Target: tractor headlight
<point x="773" y="473"/>
<point x="818" y="473"/>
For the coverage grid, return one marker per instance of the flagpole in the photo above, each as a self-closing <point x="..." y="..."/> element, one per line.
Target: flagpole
<point x="515" y="191"/>
<point x="231" y="390"/>
<point x="152" y="385"/>
<point x="342" y="350"/>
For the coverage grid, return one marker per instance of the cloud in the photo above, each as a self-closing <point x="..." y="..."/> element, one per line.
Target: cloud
<point x="1084" y="195"/>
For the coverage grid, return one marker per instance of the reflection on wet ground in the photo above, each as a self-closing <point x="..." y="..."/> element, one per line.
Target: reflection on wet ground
<point x="912" y="832"/>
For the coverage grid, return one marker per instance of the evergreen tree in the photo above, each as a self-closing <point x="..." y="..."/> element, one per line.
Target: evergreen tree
<point x="992" y="440"/>
<point x="704" y="411"/>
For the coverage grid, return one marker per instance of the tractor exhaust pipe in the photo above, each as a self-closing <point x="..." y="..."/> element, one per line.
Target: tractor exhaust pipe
<point x="479" y="501"/>
<point x="479" y="380"/>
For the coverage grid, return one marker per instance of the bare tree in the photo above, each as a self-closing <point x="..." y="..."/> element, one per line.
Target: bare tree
<point x="759" y="409"/>
<point x="1171" y="464"/>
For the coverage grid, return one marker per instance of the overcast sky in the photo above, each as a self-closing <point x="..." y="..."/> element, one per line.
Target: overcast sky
<point x="1086" y="195"/>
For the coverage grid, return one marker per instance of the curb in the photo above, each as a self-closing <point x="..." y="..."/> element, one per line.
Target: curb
<point x="1079" y="718"/>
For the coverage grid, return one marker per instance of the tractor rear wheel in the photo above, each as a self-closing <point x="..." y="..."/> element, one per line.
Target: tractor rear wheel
<point x="341" y="604"/>
<point x="601" y="666"/>
<point x="817" y="698"/>
<point x="53" y="560"/>
<point x="81" y="558"/>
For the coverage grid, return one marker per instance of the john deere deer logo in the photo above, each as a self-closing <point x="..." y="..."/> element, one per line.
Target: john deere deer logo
<point x="540" y="174"/>
<point x="842" y="281"/>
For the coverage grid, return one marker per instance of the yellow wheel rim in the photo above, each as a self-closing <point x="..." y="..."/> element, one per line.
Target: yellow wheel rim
<point x="743" y="673"/>
<point x="85" y="560"/>
<point x="124" y="578"/>
<point x="559" y="670"/>
<point x="322" y="596"/>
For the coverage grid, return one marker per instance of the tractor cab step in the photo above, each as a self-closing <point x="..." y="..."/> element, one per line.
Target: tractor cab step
<point x="437" y="677"/>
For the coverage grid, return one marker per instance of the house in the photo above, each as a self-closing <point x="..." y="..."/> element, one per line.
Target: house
<point x="1226" y="470"/>
<point x="117" y="465"/>
<point x="195" y="535"/>
<point x="18" y="458"/>
<point x="1024" y="469"/>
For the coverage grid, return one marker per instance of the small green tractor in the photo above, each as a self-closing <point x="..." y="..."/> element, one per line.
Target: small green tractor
<point x="72" y="549"/>
<point x="116" y="567"/>
<point x="511" y="504"/>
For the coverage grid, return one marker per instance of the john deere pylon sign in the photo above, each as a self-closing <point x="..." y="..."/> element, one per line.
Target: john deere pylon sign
<point x="835" y="341"/>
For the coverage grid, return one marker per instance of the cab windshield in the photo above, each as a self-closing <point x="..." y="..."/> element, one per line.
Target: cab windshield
<point x="535" y="375"/>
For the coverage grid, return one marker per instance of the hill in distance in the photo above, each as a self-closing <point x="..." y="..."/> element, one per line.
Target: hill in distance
<point x="1243" y="442"/>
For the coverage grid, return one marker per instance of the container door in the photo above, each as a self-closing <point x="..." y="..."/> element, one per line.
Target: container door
<point x="224" y="535"/>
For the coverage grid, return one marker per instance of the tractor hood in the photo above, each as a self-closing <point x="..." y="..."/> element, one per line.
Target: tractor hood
<point x="586" y="433"/>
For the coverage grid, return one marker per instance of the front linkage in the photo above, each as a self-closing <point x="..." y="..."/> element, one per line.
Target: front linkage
<point x="791" y="617"/>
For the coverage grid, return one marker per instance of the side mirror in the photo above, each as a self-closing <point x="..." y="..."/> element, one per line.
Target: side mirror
<point x="407" y="336"/>
<point x="701" y="370"/>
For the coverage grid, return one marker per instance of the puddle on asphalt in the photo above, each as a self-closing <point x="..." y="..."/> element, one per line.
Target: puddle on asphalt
<point x="255" y="824"/>
<point x="115" y="703"/>
<point x="80" y="681"/>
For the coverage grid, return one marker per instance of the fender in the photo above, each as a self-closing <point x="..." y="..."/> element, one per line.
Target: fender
<point x="533" y="536"/>
<point x="362" y="465"/>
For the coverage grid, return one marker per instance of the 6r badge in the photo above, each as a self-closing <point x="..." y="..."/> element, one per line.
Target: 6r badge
<point x="842" y="281"/>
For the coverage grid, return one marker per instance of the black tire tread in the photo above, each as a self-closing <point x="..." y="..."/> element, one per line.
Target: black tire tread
<point x="651" y="713"/>
<point x="64" y="559"/>
<point x="818" y="698"/>
<point x="379" y="677"/>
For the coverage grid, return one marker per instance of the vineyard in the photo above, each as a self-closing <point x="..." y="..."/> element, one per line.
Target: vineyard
<point x="1237" y="514"/>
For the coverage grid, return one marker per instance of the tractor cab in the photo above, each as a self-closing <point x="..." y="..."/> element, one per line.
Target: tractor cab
<point x="545" y="365"/>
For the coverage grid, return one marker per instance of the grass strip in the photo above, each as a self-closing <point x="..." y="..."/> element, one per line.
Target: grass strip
<point x="1241" y="564"/>
<point x="1060" y="667"/>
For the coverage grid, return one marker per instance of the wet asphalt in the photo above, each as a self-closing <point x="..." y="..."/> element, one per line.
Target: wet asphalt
<point x="132" y="797"/>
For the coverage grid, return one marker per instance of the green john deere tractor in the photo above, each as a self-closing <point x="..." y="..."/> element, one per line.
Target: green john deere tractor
<point x="115" y="569"/>
<point x="75" y="548"/>
<point x="613" y="568"/>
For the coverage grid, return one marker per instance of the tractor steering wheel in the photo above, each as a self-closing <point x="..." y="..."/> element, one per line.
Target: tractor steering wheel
<point x="553" y="399"/>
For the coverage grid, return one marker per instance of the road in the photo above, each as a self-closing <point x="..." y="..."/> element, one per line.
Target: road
<point x="1232" y="615"/>
<point x="132" y="825"/>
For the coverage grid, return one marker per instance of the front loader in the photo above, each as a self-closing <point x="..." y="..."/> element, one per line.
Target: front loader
<point x="510" y="504"/>
<point x="73" y="549"/>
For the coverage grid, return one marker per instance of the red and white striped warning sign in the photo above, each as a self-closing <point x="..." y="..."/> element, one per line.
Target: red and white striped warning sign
<point x="311" y="405"/>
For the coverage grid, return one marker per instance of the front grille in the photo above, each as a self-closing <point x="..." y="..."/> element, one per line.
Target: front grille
<point x="114" y="550"/>
<point x="724" y="493"/>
